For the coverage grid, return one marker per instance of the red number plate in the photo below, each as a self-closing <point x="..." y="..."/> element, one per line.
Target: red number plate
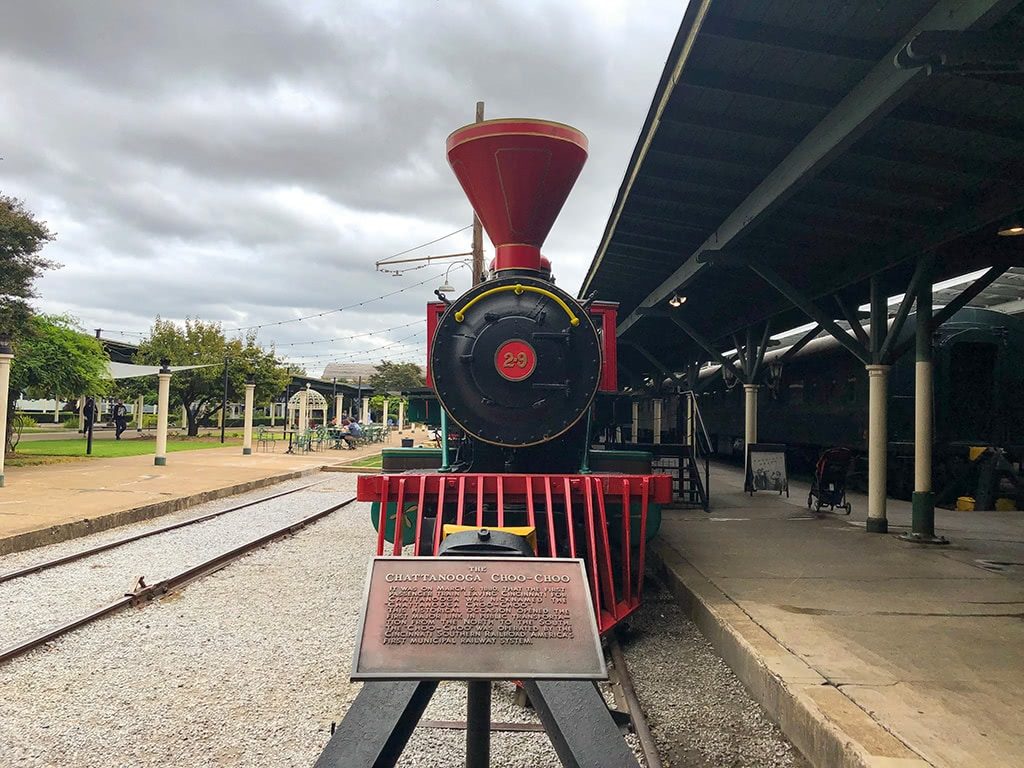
<point x="515" y="360"/>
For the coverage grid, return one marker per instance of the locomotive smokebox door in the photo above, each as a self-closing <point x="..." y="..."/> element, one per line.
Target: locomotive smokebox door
<point x="516" y="361"/>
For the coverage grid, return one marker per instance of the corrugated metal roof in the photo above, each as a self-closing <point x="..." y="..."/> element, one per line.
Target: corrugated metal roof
<point x="747" y="88"/>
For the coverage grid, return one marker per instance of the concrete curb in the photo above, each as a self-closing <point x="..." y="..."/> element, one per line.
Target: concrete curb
<point x="72" y="530"/>
<point x="829" y="729"/>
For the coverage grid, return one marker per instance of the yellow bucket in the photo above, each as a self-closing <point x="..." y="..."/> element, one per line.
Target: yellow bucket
<point x="965" y="504"/>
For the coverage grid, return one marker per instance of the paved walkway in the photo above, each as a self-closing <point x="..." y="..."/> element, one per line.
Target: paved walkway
<point x="869" y="651"/>
<point x="44" y="504"/>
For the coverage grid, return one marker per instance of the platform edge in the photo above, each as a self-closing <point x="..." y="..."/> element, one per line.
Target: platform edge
<point x="827" y="727"/>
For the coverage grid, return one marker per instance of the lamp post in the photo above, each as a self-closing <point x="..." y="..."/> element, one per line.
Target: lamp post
<point x="446" y="286"/>
<point x="6" y="355"/>
<point x="224" y="402"/>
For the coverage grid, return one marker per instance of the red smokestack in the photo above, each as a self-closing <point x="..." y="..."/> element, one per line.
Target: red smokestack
<point x="517" y="174"/>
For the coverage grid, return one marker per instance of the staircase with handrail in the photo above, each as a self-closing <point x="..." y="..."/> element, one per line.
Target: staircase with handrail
<point x="695" y="477"/>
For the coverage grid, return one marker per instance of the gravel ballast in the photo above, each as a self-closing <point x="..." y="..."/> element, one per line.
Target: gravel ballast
<point x="250" y="665"/>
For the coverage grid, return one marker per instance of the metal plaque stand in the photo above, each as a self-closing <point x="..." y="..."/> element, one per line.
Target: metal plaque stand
<point x="383" y="716"/>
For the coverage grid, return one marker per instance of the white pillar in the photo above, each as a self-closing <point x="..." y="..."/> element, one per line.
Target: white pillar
<point x="56" y="409"/>
<point x="303" y="413"/>
<point x="384" y="415"/>
<point x="184" y="418"/>
<point x="162" y="406"/>
<point x="81" y="413"/>
<point x="339" y="401"/>
<point x="401" y="416"/>
<point x="749" y="415"/>
<point x="5" y="382"/>
<point x="636" y="420"/>
<point x="878" y="441"/>
<point x="657" y="421"/>
<point x="366" y="411"/>
<point x="250" y="397"/>
<point x="140" y="404"/>
<point x="220" y="415"/>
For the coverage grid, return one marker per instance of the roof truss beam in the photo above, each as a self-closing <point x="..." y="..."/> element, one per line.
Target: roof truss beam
<point x="869" y="101"/>
<point x="805" y="41"/>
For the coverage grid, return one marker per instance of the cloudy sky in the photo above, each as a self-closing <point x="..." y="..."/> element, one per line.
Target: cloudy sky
<point x="248" y="161"/>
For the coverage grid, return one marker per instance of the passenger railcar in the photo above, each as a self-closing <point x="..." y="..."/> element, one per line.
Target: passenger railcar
<point x="820" y="399"/>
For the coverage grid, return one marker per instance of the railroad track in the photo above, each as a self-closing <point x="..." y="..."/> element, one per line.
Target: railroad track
<point x="81" y="554"/>
<point x="627" y="704"/>
<point x="143" y="592"/>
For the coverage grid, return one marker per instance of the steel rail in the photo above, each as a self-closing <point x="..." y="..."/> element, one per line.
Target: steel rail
<point x="636" y="713"/>
<point x="47" y="564"/>
<point x="147" y="593"/>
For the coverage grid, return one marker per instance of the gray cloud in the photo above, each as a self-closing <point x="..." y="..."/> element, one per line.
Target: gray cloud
<point x="248" y="161"/>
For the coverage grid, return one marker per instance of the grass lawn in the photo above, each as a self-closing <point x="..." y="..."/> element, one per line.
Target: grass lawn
<point x="374" y="460"/>
<point x="57" y="451"/>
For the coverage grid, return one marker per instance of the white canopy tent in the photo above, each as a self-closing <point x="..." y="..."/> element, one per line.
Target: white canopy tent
<point x="131" y="371"/>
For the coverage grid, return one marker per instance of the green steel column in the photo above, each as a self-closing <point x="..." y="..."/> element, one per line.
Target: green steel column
<point x="923" y="514"/>
<point x="444" y="440"/>
<point x="585" y="464"/>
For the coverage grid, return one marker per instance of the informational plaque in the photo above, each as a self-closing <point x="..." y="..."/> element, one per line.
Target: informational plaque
<point x="469" y="618"/>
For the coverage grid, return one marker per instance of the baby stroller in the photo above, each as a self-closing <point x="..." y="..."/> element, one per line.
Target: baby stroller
<point x="828" y="488"/>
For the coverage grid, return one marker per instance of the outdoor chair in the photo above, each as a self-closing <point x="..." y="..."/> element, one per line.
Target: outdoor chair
<point x="266" y="440"/>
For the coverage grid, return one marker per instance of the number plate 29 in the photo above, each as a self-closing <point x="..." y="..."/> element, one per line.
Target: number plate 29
<point x="515" y="360"/>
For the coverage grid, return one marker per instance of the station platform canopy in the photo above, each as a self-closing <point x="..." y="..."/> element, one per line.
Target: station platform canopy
<point x="796" y="151"/>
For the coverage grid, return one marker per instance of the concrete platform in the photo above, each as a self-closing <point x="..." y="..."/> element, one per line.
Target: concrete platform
<point x="45" y="504"/>
<point x="868" y="651"/>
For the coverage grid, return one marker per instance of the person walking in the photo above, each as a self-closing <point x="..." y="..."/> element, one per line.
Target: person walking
<point x="89" y="413"/>
<point x="120" y="414"/>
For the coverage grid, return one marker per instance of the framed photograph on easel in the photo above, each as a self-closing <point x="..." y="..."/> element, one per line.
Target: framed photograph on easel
<point x="766" y="468"/>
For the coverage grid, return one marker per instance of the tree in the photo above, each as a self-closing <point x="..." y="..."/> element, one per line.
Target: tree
<point x="54" y="357"/>
<point x="394" y="377"/>
<point x="204" y="344"/>
<point x="21" y="239"/>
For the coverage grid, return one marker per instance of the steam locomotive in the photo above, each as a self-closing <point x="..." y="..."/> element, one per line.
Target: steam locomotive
<point x="517" y="364"/>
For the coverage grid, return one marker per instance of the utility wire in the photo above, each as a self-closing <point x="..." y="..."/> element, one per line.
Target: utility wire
<point x="340" y="355"/>
<point x="339" y="309"/>
<point x="424" y="245"/>
<point x="346" y="338"/>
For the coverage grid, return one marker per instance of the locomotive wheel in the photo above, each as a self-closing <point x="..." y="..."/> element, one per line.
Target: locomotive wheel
<point x="848" y="507"/>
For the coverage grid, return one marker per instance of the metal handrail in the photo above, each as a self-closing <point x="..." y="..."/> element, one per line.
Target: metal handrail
<point x="702" y="452"/>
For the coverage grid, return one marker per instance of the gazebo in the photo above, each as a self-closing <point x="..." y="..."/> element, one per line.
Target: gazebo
<point x="314" y="402"/>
